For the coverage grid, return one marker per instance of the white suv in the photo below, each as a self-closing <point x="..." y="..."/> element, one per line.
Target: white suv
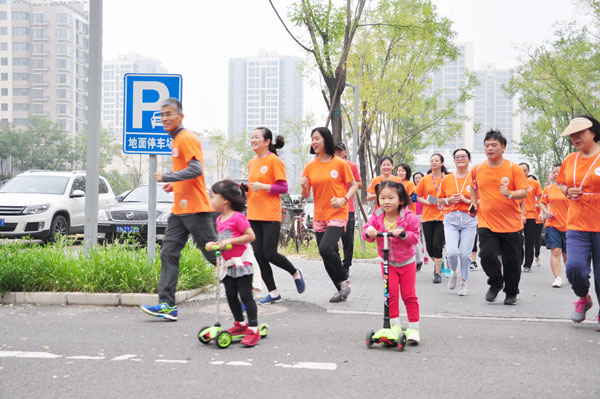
<point x="41" y="204"/>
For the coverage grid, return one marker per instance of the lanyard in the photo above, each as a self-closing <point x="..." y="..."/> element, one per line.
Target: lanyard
<point x="463" y="186"/>
<point x="433" y="181"/>
<point x="586" y="173"/>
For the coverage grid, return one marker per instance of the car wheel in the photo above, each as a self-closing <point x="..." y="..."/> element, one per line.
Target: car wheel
<point x="58" y="227"/>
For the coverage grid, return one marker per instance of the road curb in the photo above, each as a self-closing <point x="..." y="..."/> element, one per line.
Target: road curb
<point x="90" y="299"/>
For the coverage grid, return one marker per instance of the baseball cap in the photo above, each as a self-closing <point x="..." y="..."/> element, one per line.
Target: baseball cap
<point x="576" y="125"/>
<point x="342" y="146"/>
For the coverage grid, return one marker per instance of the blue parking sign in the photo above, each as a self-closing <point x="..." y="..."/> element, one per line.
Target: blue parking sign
<point x="144" y="93"/>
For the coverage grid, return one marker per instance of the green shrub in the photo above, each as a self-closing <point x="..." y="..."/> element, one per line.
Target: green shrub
<point x="117" y="268"/>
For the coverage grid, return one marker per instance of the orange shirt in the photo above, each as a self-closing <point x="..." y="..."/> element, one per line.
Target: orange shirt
<point x="452" y="185"/>
<point x="534" y="191"/>
<point x="410" y="189"/>
<point x="429" y="186"/>
<point x="558" y="204"/>
<point x="496" y="212"/>
<point x="190" y="196"/>
<point x="328" y="180"/>
<point x="584" y="213"/>
<point x="262" y="205"/>
<point x="375" y="181"/>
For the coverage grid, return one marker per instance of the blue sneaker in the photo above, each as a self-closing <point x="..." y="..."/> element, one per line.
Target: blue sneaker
<point x="161" y="310"/>
<point x="300" y="284"/>
<point x="269" y="299"/>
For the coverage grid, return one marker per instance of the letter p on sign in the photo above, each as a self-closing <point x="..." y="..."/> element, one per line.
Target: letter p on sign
<point x="139" y="106"/>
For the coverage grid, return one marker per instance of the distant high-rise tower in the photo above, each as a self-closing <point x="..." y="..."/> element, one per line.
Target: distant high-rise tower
<point x="266" y="90"/>
<point x="113" y="72"/>
<point x="44" y="62"/>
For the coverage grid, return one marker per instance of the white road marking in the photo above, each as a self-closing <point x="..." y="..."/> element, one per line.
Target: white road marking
<point x="217" y="362"/>
<point x="238" y="363"/>
<point x="123" y="357"/>
<point x="29" y="355"/>
<point x="309" y="365"/>
<point x="86" y="357"/>
<point x="170" y="361"/>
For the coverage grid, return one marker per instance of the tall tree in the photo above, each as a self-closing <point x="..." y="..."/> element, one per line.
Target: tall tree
<point x="331" y="28"/>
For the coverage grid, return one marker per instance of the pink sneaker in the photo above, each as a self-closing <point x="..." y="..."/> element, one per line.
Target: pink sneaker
<point x="251" y="338"/>
<point x="581" y="307"/>
<point x="238" y="328"/>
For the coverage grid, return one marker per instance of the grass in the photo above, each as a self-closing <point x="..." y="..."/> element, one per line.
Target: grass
<point x="312" y="251"/>
<point x="116" y="268"/>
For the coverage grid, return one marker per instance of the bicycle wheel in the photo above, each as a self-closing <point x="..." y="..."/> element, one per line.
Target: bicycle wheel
<point x="297" y="235"/>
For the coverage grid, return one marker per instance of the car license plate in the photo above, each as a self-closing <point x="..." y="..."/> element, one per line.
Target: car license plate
<point x="128" y="229"/>
<point x="1" y="222"/>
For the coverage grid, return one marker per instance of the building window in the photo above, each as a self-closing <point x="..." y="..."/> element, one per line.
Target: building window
<point x="4" y="76"/>
<point x="64" y="18"/>
<point x="64" y="109"/>
<point x="4" y="92"/>
<point x="3" y="46"/>
<point x="20" y="16"/>
<point x="3" y="61"/>
<point x="21" y="107"/>
<point x="4" y="107"/>
<point x="37" y="49"/>
<point x="37" y="33"/>
<point x="21" y="46"/>
<point x="65" y="123"/>
<point x="37" y="94"/>
<point x="20" y="91"/>
<point x="22" y="77"/>
<point x="18" y="61"/>
<point x="37" y="109"/>
<point x="20" y="122"/>
<point x="64" y="48"/>
<point x="38" y="78"/>
<point x="37" y="17"/>
<point x="3" y="15"/>
<point x="37" y="63"/>
<point x="64" y="94"/>
<point x="64" y="33"/>
<point x="64" y="63"/>
<point x="3" y="30"/>
<point x="20" y="31"/>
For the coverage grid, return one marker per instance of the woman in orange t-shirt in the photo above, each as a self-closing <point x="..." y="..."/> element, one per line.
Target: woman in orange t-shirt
<point x="579" y="180"/>
<point x="267" y="181"/>
<point x="433" y="219"/>
<point x="554" y="206"/>
<point x="386" y="165"/>
<point x="404" y="173"/>
<point x="328" y="176"/>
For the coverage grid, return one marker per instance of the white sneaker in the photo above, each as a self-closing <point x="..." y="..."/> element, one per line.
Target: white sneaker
<point x="452" y="281"/>
<point x="462" y="288"/>
<point x="538" y="261"/>
<point x="557" y="282"/>
<point x="413" y="337"/>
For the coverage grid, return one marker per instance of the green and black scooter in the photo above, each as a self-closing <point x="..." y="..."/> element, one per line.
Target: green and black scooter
<point x="387" y="336"/>
<point x="223" y="338"/>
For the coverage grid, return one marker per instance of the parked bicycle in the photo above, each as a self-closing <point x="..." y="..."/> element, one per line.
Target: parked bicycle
<point x="300" y="230"/>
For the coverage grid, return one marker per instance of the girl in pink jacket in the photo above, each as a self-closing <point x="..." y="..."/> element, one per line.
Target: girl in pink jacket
<point x="394" y="216"/>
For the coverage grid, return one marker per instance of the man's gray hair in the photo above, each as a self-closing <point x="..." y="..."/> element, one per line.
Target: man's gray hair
<point x="173" y="102"/>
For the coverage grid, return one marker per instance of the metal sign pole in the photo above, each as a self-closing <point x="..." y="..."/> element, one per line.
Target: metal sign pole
<point x="92" y="174"/>
<point x="151" y="243"/>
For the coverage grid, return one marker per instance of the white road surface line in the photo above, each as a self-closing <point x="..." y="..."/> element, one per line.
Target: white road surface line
<point x="238" y="363"/>
<point x="123" y="357"/>
<point x="309" y="365"/>
<point x="441" y="316"/>
<point x="86" y="357"/>
<point x="170" y="361"/>
<point x="29" y="355"/>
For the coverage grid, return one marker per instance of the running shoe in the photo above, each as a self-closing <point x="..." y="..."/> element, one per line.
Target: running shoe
<point x="492" y="293"/>
<point x="238" y="328"/>
<point x="252" y="337"/>
<point x="452" y="281"/>
<point x="419" y="265"/>
<point x="474" y="266"/>
<point x="557" y="282"/>
<point x="527" y="269"/>
<point x="581" y="307"/>
<point x="437" y="278"/>
<point x="412" y="336"/>
<point x="345" y="289"/>
<point x="510" y="299"/>
<point x="300" y="284"/>
<point x="269" y="299"/>
<point x="162" y="310"/>
<point x="337" y="297"/>
<point x="462" y="288"/>
<point x="538" y="261"/>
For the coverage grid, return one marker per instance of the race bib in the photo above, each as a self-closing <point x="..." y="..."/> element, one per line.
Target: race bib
<point x="264" y="169"/>
<point x="334" y="173"/>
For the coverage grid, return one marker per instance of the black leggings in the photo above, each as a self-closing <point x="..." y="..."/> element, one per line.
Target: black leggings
<point x="434" y="238"/>
<point x="265" y="251"/>
<point x="243" y="287"/>
<point x="328" y="248"/>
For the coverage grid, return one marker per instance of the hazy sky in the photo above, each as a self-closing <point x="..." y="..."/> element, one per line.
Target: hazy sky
<point x="196" y="39"/>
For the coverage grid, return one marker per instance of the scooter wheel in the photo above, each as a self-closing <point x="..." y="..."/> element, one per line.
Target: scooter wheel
<point x="370" y="338"/>
<point x="263" y="330"/>
<point x="204" y="335"/>
<point x="223" y="339"/>
<point x="401" y="342"/>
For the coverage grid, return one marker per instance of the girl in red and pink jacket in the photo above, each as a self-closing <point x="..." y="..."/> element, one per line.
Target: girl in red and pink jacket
<point x="394" y="216"/>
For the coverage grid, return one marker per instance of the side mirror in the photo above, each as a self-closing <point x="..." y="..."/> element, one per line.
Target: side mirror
<point x="77" y="194"/>
<point x="120" y="198"/>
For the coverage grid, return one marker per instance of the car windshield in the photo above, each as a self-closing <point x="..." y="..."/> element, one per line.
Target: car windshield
<point x="140" y="194"/>
<point x="36" y="185"/>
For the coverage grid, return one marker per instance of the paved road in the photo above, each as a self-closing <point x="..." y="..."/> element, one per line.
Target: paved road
<point x="470" y="348"/>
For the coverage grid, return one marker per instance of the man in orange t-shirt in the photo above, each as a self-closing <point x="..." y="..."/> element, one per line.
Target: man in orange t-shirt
<point x="497" y="185"/>
<point x="531" y="232"/>
<point x="348" y="236"/>
<point x="191" y="212"/>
